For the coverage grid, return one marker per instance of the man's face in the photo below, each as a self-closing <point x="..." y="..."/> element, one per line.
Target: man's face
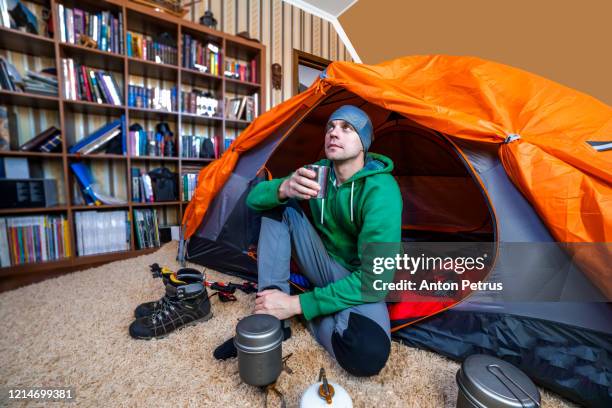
<point x="341" y="141"/>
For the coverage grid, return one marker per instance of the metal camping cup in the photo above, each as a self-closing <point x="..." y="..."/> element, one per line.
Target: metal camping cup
<point x="259" y="340"/>
<point x="321" y="178"/>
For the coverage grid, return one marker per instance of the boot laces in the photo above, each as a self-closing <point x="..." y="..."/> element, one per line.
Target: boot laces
<point x="166" y="306"/>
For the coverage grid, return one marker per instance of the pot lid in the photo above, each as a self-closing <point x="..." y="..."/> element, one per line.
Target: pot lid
<point x="258" y="333"/>
<point x="491" y="382"/>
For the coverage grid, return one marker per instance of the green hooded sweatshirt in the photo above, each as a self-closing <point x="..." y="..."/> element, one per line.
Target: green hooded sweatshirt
<point x="366" y="208"/>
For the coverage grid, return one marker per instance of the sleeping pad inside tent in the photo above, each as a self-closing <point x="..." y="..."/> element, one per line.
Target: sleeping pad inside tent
<point x="454" y="190"/>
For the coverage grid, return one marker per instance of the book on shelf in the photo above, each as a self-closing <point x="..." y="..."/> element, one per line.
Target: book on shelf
<point x="90" y="189"/>
<point x="47" y="141"/>
<point x="137" y="188"/>
<point x="151" y="143"/>
<point x="82" y="83"/>
<point x="7" y="122"/>
<point x="102" y="138"/>
<point x="99" y="232"/>
<point x="147" y="188"/>
<point x="152" y="98"/>
<point x="146" y="47"/>
<point x="142" y="187"/>
<point x="104" y="27"/>
<point x="157" y="185"/>
<point x="241" y="71"/>
<point x="5" y="18"/>
<point x="37" y="238"/>
<point x="200" y="103"/>
<point x="42" y="83"/>
<point x="227" y="142"/>
<point x="198" y="147"/>
<point x="200" y="56"/>
<point x="190" y="182"/>
<point x="146" y="228"/>
<point x="242" y="108"/>
<point x="10" y="78"/>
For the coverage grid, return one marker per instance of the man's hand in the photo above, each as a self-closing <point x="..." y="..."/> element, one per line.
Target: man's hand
<point x="277" y="303"/>
<point x="301" y="184"/>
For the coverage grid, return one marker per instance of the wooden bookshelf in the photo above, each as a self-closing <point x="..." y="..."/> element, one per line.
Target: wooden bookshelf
<point x="141" y="19"/>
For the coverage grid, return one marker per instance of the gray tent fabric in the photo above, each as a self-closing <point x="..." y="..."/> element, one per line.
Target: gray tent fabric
<point x="517" y="222"/>
<point x="563" y="346"/>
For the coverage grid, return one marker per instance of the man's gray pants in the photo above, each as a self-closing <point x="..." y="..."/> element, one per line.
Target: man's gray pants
<point x="358" y="337"/>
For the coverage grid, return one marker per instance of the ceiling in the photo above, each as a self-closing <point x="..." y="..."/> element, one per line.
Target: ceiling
<point x="332" y="7"/>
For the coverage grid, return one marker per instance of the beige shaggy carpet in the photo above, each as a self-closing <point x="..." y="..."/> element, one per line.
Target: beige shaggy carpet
<point x="73" y="331"/>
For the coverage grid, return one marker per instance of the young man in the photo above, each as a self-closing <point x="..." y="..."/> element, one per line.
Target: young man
<point x="363" y="205"/>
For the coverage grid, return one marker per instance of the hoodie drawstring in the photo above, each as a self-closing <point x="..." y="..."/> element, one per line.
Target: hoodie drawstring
<point x="352" y="186"/>
<point x="322" y="209"/>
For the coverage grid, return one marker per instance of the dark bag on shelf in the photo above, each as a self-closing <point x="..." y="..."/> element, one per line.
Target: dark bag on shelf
<point x="164" y="183"/>
<point x="207" y="150"/>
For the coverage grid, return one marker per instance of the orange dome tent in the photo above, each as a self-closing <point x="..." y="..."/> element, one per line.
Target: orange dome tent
<point x="482" y="152"/>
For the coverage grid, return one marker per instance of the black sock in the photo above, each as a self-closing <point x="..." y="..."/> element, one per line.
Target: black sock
<point x="228" y="350"/>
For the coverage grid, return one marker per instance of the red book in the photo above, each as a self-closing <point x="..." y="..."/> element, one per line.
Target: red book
<point x="13" y="245"/>
<point x="194" y="103"/>
<point x="253" y="70"/>
<point x="29" y="241"/>
<point x="86" y="83"/>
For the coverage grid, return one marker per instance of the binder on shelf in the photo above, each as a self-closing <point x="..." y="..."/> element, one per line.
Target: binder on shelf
<point x="52" y="145"/>
<point x="101" y="137"/>
<point x="41" y="141"/>
<point x="90" y="189"/>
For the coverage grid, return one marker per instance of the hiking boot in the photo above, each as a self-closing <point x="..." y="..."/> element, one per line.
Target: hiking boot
<point x="184" y="275"/>
<point x="184" y="305"/>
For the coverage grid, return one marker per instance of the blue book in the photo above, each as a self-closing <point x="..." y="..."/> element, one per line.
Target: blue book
<point x="130" y="95"/>
<point x="124" y="130"/>
<point x="102" y="43"/>
<point x="129" y="44"/>
<point x="96" y="135"/>
<point x="108" y="97"/>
